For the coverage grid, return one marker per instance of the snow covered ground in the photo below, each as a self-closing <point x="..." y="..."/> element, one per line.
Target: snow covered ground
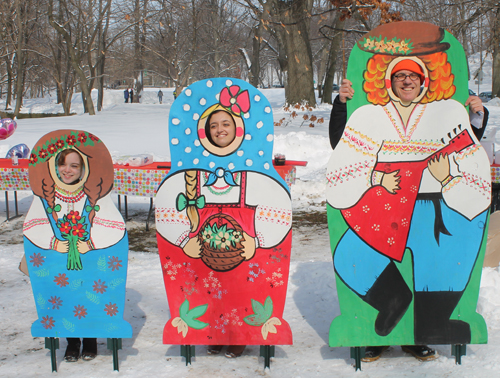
<point x="312" y="302"/>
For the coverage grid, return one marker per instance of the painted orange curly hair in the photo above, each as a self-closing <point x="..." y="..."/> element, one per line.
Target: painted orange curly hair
<point x="440" y="78"/>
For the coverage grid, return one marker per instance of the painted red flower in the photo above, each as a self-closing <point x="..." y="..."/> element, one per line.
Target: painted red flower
<point x="61" y="279"/>
<point x="56" y="302"/>
<point x="93" y="137"/>
<point x="48" y="322"/>
<point x="78" y="230"/>
<point x="74" y="217"/>
<point x="114" y="263"/>
<point x="33" y="159"/>
<point x="82" y="137"/>
<point x="60" y="144"/>
<point x="71" y="140"/>
<point x="80" y="311"/>
<point x="100" y="287"/>
<point x="111" y="309"/>
<point x="52" y="149"/>
<point x="43" y="153"/>
<point x="65" y="227"/>
<point x="37" y="259"/>
<point x="231" y="97"/>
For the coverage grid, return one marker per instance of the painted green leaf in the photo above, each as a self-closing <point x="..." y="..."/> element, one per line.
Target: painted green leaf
<point x="92" y="297"/>
<point x="184" y="309"/>
<point x="197" y="311"/>
<point x="262" y="313"/>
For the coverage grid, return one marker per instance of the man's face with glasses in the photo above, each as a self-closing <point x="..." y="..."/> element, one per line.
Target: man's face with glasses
<point x="406" y="85"/>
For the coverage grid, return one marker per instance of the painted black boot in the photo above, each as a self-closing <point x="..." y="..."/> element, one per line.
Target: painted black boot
<point x="73" y="350"/>
<point x="391" y="297"/>
<point x="432" y="318"/>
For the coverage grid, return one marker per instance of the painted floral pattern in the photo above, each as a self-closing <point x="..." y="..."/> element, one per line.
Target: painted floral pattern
<point x="61" y="280"/>
<point x="37" y="259"/>
<point x="80" y="311"/>
<point x="99" y="287"/>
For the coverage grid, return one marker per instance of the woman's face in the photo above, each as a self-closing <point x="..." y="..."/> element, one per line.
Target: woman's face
<point x="70" y="170"/>
<point x="222" y="128"/>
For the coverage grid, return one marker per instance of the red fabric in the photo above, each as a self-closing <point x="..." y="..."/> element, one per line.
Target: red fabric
<point x="228" y="295"/>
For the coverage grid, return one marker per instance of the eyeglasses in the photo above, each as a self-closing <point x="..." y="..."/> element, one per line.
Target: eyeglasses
<point x="402" y="77"/>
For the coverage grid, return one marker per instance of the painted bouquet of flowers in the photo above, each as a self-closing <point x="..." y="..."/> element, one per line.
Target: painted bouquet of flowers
<point x="220" y="238"/>
<point x="73" y="228"/>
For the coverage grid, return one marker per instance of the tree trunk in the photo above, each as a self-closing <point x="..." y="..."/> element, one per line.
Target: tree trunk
<point x="8" y="67"/>
<point x="20" y="59"/>
<point x="495" y="88"/>
<point x="332" y="62"/>
<point x="299" y="87"/>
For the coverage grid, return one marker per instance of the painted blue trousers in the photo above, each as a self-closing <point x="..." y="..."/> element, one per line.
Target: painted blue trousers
<point x="443" y="266"/>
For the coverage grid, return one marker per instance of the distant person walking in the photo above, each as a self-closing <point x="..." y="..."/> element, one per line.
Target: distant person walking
<point x="125" y="94"/>
<point x="131" y="94"/>
<point x="160" y="96"/>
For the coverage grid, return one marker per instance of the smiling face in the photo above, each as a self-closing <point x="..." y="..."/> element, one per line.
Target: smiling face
<point x="70" y="167"/>
<point x="408" y="89"/>
<point x="222" y="128"/>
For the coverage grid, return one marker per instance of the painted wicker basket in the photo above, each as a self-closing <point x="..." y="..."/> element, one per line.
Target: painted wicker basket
<point x="221" y="240"/>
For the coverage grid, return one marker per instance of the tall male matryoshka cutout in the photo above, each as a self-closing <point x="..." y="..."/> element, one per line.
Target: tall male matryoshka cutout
<point x="223" y="219"/>
<point x="408" y="256"/>
<point x="75" y="241"/>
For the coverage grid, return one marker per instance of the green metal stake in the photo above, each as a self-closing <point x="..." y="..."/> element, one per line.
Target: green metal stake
<point x="52" y="343"/>
<point x="356" y="353"/>
<point x="267" y="351"/>
<point x="458" y="350"/>
<point x="115" y="344"/>
<point x="188" y="352"/>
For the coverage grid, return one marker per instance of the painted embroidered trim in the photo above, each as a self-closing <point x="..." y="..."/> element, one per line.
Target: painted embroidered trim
<point x="35" y="222"/>
<point x="171" y="216"/>
<point x="274" y="215"/>
<point x="469" y="151"/>
<point x="477" y="182"/>
<point x="221" y="190"/>
<point x="69" y="197"/>
<point x="118" y="225"/>
<point x="411" y="130"/>
<point x="387" y="46"/>
<point x="360" y="142"/>
<point x="339" y="176"/>
<point x="391" y="147"/>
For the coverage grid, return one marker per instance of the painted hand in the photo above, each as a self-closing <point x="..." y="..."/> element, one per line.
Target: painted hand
<point x="62" y="246"/>
<point x="439" y="167"/>
<point x="346" y="91"/>
<point x="82" y="246"/>
<point x="248" y="246"/>
<point x="391" y="181"/>
<point x="193" y="248"/>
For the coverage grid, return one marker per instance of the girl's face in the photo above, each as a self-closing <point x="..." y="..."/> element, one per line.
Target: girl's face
<point x="70" y="170"/>
<point x="222" y="128"/>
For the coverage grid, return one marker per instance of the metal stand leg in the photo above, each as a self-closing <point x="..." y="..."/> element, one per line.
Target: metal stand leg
<point x="356" y="353"/>
<point x="119" y="203"/>
<point x="115" y="344"/>
<point x="267" y="351"/>
<point x="458" y="350"/>
<point x="188" y="352"/>
<point x="149" y="213"/>
<point x="126" y="209"/>
<point x="52" y="343"/>
<point x="17" y="215"/>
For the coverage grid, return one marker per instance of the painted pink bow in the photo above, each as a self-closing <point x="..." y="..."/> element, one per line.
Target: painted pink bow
<point x="238" y="102"/>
